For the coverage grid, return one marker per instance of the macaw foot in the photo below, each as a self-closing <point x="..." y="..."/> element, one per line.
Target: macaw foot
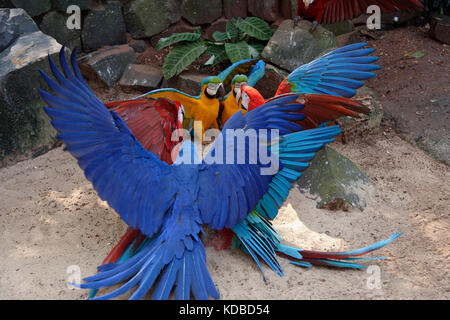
<point x="222" y="240"/>
<point x="314" y="26"/>
<point x="296" y="21"/>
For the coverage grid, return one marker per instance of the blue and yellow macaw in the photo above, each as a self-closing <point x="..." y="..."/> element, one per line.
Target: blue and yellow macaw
<point x="238" y="75"/>
<point x="204" y="107"/>
<point x="169" y="203"/>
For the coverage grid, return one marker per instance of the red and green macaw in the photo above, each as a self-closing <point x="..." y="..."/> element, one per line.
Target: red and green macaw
<point x="169" y="203"/>
<point x="339" y="73"/>
<point x="332" y="11"/>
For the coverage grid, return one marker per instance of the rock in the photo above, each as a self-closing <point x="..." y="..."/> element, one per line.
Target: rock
<point x="188" y="82"/>
<point x="267" y="10"/>
<point x="6" y="4"/>
<point x="219" y="25"/>
<point x="357" y="128"/>
<point x="180" y="26"/>
<point x="289" y="9"/>
<point x="148" y="18"/>
<point x="104" y="27"/>
<point x="396" y="18"/>
<point x="138" y="46"/>
<point x="268" y="84"/>
<point x="54" y="24"/>
<point x="340" y="27"/>
<point x="141" y="78"/>
<point x="25" y="129"/>
<point x="235" y="8"/>
<point x="348" y="38"/>
<point x="108" y="64"/>
<point x="33" y="7"/>
<point x="62" y="5"/>
<point x="13" y="24"/>
<point x="197" y="12"/>
<point x="440" y="28"/>
<point x="338" y="182"/>
<point x="292" y="47"/>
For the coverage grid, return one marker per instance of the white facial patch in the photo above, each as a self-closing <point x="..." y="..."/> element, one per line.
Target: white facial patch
<point x="181" y="114"/>
<point x="213" y="88"/>
<point x="238" y="86"/>
<point x="307" y="3"/>
<point x="245" y="100"/>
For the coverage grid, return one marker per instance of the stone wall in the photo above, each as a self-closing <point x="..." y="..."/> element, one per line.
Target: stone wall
<point x="106" y="22"/>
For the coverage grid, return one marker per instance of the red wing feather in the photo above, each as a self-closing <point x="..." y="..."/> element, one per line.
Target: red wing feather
<point x="339" y="10"/>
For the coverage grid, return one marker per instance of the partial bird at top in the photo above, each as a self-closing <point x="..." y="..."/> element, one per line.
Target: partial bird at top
<point x="332" y="11"/>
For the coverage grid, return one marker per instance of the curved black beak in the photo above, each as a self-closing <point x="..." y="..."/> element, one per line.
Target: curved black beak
<point x="220" y="92"/>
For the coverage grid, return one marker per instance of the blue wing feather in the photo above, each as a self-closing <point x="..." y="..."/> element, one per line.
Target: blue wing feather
<point x="335" y="73"/>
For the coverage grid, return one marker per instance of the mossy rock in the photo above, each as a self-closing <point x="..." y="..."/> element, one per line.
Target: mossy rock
<point x="337" y="181"/>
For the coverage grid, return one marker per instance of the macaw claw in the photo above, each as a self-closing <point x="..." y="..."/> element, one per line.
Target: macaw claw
<point x="314" y="26"/>
<point x="296" y="20"/>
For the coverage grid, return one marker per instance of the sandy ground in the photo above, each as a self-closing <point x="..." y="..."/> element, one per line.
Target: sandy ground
<point x="52" y="224"/>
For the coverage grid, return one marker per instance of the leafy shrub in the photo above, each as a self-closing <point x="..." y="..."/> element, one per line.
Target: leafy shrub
<point x="242" y="39"/>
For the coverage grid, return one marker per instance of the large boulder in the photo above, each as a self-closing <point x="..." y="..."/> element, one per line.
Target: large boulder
<point x="188" y="81"/>
<point x="108" y="64"/>
<point x="25" y="129"/>
<point x="440" y="28"/>
<point x="141" y="77"/>
<point x="62" y="5"/>
<point x="55" y="25"/>
<point x="33" y="7"/>
<point x="198" y="12"/>
<point x="340" y="28"/>
<point x="235" y="8"/>
<point x="148" y="18"/>
<point x="269" y="83"/>
<point x="13" y="24"/>
<point x="291" y="47"/>
<point x="104" y="26"/>
<point x="338" y="183"/>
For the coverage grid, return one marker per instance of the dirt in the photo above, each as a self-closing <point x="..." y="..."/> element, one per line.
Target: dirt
<point x="415" y="91"/>
<point x="52" y="219"/>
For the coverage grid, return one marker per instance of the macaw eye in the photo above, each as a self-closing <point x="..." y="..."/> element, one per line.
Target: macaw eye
<point x="239" y="85"/>
<point x="212" y="88"/>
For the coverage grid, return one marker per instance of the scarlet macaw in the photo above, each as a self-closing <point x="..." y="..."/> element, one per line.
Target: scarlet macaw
<point x="169" y="203"/>
<point x="332" y="11"/>
<point x="337" y="73"/>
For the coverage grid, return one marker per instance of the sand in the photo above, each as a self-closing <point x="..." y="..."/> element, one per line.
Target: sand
<point x="52" y="224"/>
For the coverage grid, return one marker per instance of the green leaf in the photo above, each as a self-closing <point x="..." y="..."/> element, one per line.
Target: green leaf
<point x="255" y="27"/>
<point x="182" y="56"/>
<point x="237" y="51"/>
<point x="220" y="36"/>
<point x="217" y="54"/>
<point x="232" y="31"/>
<point x="178" y="37"/>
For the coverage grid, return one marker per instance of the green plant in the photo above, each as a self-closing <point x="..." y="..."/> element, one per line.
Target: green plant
<point x="242" y="39"/>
